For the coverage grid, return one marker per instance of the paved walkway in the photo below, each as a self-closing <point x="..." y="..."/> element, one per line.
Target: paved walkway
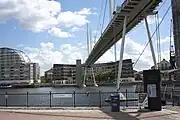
<point x="129" y="114"/>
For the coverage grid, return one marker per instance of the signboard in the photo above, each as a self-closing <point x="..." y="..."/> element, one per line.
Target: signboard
<point x="151" y="89"/>
<point x="142" y="99"/>
<point x="6" y="96"/>
<point x="62" y="95"/>
<point x="152" y="79"/>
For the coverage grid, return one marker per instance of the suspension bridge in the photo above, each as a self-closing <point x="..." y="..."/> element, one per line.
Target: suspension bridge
<point x="123" y="20"/>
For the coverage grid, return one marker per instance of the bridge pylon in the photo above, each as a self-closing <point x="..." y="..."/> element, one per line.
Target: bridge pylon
<point x="86" y="76"/>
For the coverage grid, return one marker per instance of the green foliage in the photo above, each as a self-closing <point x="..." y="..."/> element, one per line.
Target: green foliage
<point x="106" y="76"/>
<point x="43" y="79"/>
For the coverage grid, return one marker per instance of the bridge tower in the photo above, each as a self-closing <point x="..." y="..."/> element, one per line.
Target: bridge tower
<point x="124" y="19"/>
<point x="89" y="68"/>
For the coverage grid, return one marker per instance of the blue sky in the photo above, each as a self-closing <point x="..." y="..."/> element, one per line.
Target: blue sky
<point x="27" y="37"/>
<point x="55" y="32"/>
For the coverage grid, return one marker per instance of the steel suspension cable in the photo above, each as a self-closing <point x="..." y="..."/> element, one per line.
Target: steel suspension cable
<point x="104" y="15"/>
<point x="152" y="35"/>
<point x="162" y="5"/>
<point x="99" y="18"/>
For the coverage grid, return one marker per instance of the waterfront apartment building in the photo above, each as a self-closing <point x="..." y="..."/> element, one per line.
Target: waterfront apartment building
<point x="64" y="73"/>
<point x="176" y="29"/>
<point x="67" y="73"/>
<point x="127" y="68"/>
<point x="48" y="76"/>
<point x="17" y="68"/>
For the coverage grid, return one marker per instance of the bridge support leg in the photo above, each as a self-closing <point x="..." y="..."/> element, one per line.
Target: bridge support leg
<point x="151" y="44"/>
<point x="121" y="52"/>
<point x="85" y="74"/>
<point x="94" y="79"/>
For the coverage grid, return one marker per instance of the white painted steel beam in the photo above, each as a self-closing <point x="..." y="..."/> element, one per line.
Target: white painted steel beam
<point x="150" y="43"/>
<point x="121" y="52"/>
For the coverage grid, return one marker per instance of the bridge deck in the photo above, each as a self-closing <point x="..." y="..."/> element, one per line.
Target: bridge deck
<point x="136" y="10"/>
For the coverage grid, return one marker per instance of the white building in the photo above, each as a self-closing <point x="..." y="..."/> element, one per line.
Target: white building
<point x="163" y="65"/>
<point x="16" y="68"/>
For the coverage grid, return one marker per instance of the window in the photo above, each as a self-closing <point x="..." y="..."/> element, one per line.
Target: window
<point x="162" y="66"/>
<point x="166" y="67"/>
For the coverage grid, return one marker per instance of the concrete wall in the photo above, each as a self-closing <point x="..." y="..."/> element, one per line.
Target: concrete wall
<point x="78" y="73"/>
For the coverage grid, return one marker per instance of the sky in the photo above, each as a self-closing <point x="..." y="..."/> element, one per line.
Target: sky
<point x="54" y="32"/>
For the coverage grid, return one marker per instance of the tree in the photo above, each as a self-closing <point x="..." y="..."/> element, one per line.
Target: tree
<point x="43" y="79"/>
<point x="105" y="76"/>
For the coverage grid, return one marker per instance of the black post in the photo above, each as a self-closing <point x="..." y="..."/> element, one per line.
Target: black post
<point x="27" y="100"/>
<point x="172" y="97"/>
<point x="74" y="99"/>
<point x="50" y="99"/>
<point x="126" y="99"/>
<point x="100" y="99"/>
<point x="6" y="96"/>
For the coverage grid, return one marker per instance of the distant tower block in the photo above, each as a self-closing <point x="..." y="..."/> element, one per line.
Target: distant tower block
<point x="78" y="73"/>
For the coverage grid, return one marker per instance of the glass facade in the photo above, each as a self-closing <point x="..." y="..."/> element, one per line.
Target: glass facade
<point x="15" y="66"/>
<point x="64" y="71"/>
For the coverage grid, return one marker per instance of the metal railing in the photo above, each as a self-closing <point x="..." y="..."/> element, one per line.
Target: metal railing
<point x="76" y="99"/>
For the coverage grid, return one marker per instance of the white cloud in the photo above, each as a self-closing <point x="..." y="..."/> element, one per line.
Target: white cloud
<point x="58" y="33"/>
<point x="76" y="29"/>
<point x="41" y="15"/>
<point x="36" y="15"/>
<point x="166" y="40"/>
<point x="146" y="58"/>
<point x="77" y="18"/>
<point x="132" y="51"/>
<point x="151" y="19"/>
<point x="94" y="31"/>
<point x="21" y="45"/>
<point x="47" y="54"/>
<point x="85" y="11"/>
<point x="72" y="18"/>
<point x="71" y="53"/>
<point x="107" y="57"/>
<point x="94" y="8"/>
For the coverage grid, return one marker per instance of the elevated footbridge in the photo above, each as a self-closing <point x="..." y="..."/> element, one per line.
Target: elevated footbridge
<point x="129" y="15"/>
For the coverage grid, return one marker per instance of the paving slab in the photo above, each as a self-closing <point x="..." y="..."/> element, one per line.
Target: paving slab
<point x="127" y="114"/>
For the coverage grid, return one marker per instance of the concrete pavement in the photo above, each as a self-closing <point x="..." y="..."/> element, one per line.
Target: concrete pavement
<point x="129" y="114"/>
